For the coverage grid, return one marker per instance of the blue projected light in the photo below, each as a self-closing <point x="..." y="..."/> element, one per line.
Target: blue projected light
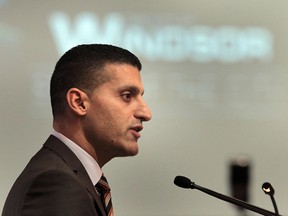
<point x="2" y="2"/>
<point x="203" y="44"/>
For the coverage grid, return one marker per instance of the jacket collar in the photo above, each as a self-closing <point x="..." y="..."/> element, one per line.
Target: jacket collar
<point x="57" y="146"/>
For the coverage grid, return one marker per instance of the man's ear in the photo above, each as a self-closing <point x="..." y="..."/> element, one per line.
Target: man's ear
<point x="77" y="101"/>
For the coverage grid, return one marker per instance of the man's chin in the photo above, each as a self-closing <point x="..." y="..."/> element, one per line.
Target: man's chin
<point x="132" y="151"/>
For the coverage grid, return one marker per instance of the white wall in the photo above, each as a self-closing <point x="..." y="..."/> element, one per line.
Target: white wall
<point x="215" y="76"/>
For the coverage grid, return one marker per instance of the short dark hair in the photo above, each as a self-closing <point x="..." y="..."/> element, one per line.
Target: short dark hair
<point x="81" y="67"/>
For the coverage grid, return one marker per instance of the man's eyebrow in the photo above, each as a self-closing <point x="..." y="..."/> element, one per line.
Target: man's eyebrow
<point x="133" y="89"/>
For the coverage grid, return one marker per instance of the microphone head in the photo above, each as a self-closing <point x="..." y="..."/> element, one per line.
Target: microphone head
<point x="182" y="181"/>
<point x="268" y="189"/>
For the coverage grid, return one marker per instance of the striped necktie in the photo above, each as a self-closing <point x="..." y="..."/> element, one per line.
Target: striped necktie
<point x="103" y="188"/>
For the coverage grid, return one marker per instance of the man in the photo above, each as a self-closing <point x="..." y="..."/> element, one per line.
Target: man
<point x="98" y="113"/>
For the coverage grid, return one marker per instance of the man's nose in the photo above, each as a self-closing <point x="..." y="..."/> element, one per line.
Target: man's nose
<point x="144" y="112"/>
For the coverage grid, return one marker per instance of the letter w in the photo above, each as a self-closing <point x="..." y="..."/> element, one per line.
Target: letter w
<point x="86" y="29"/>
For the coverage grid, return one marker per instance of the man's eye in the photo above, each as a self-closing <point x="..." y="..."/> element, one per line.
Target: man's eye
<point x="127" y="96"/>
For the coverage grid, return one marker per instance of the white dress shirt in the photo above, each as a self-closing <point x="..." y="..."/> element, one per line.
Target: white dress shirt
<point x="92" y="168"/>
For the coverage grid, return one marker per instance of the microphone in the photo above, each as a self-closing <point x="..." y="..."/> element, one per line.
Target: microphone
<point x="186" y="183"/>
<point x="268" y="189"/>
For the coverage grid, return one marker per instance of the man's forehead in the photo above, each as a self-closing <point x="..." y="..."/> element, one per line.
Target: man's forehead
<point x="122" y="71"/>
<point x="123" y="76"/>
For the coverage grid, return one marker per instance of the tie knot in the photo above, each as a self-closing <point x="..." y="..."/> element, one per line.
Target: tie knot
<point x="103" y="185"/>
<point x="104" y="190"/>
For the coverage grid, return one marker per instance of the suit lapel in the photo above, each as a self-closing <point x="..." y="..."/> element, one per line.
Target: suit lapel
<point x="74" y="163"/>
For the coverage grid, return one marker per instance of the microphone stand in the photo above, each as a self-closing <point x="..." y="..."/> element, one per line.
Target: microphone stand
<point x="274" y="204"/>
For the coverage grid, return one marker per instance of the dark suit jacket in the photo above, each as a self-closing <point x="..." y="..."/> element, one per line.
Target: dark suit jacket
<point x="53" y="183"/>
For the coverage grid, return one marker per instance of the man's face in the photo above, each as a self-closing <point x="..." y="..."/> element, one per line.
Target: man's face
<point x="116" y="112"/>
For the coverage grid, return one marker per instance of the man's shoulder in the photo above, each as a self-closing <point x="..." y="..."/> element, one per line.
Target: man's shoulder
<point x="55" y="190"/>
<point x="44" y="162"/>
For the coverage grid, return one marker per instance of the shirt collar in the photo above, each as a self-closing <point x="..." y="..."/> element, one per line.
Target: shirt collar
<point x="91" y="166"/>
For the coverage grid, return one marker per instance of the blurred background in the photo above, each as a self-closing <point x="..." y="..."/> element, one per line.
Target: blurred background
<point x="215" y="77"/>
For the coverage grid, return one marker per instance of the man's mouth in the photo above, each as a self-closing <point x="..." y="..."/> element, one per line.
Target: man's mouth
<point x="136" y="130"/>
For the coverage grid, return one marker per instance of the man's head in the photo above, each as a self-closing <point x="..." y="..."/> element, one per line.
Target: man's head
<point x="96" y="96"/>
<point x="82" y="67"/>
